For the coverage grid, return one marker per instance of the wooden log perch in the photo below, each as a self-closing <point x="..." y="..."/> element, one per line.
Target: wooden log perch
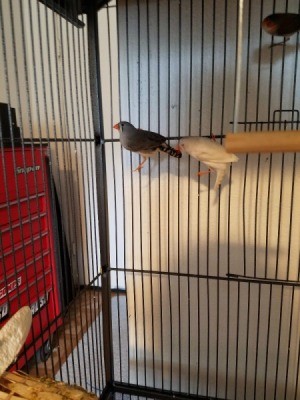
<point x="263" y="142"/>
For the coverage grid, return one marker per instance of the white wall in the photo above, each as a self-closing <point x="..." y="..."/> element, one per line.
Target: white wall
<point x="166" y="219"/>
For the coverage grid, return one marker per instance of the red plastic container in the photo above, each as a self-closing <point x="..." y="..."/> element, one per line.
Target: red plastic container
<point x="28" y="266"/>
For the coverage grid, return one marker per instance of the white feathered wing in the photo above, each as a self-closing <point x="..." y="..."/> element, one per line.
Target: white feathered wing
<point x="210" y="153"/>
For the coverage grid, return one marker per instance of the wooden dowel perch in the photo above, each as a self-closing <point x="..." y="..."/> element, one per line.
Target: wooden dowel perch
<point x="263" y="142"/>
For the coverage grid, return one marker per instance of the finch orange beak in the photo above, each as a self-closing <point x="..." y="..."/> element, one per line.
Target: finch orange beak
<point x="177" y="147"/>
<point x="116" y="126"/>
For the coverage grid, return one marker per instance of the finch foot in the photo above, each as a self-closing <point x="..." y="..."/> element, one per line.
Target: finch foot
<point x="200" y="173"/>
<point x="280" y="43"/>
<point x="140" y="166"/>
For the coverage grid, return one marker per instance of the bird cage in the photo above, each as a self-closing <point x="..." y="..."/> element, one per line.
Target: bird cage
<point x="159" y="282"/>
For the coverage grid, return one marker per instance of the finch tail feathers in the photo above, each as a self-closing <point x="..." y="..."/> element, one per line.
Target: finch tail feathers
<point x="219" y="178"/>
<point x="170" y="150"/>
